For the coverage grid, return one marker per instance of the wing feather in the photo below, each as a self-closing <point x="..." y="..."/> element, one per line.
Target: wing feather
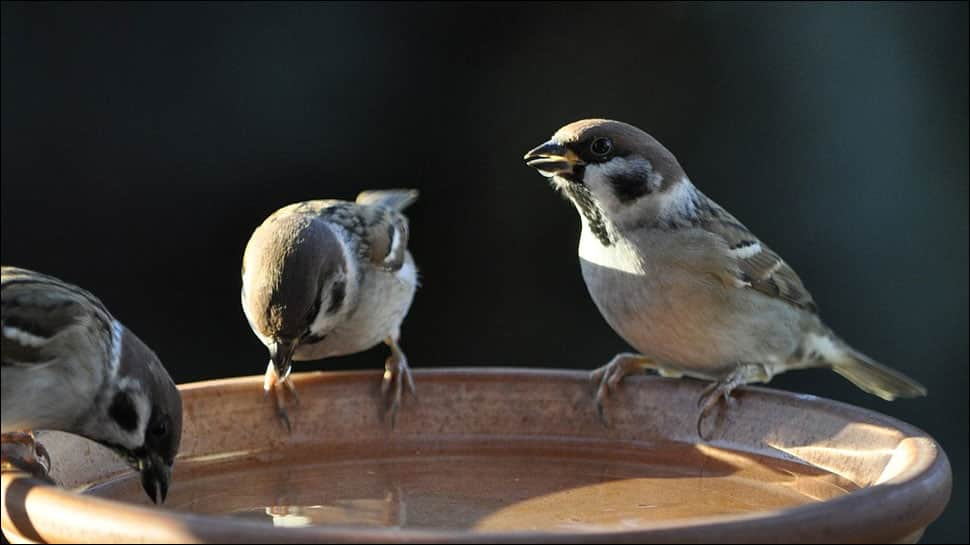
<point x="758" y="266"/>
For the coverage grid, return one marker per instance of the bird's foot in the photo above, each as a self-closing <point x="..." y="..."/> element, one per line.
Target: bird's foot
<point x="22" y="452"/>
<point x="280" y="388"/>
<point x="397" y="377"/>
<point x="722" y="389"/>
<point x="608" y="377"/>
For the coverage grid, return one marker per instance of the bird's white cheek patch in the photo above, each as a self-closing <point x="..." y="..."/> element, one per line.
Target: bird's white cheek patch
<point x="325" y="320"/>
<point x="134" y="438"/>
<point x="598" y="177"/>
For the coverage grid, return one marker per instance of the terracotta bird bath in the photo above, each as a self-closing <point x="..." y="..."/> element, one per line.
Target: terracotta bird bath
<point x="499" y="455"/>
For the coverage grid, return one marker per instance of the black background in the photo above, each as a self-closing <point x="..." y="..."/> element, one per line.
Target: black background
<point x="142" y="144"/>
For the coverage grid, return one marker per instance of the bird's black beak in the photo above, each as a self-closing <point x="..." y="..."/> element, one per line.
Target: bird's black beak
<point x="553" y="159"/>
<point x="155" y="476"/>
<point x="281" y="352"/>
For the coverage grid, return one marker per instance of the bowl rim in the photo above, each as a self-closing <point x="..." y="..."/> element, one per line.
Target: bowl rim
<point x="917" y="495"/>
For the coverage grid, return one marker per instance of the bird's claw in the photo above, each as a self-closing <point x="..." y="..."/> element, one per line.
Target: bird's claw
<point x="608" y="377"/>
<point x="397" y="377"/>
<point x="284" y="418"/>
<point x="722" y="389"/>
<point x="271" y="385"/>
<point x="709" y="398"/>
<point x="22" y="452"/>
<point x="291" y="392"/>
<point x="605" y="378"/>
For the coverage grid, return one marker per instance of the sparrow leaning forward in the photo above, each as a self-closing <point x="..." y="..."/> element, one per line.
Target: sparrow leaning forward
<point x="68" y="365"/>
<point x="328" y="278"/>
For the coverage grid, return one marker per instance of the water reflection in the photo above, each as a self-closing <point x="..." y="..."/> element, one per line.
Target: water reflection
<point x="386" y="512"/>
<point x="562" y="489"/>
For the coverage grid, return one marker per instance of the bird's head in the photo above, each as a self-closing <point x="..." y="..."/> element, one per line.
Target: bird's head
<point x="297" y="283"/>
<point x="140" y="413"/>
<point x="611" y="169"/>
<point x="111" y="388"/>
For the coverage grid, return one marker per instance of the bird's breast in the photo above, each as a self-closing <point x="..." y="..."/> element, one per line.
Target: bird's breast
<point x="383" y="300"/>
<point x="666" y="313"/>
<point x="620" y="255"/>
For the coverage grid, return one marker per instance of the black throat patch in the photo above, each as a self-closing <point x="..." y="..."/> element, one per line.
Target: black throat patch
<point x="580" y="195"/>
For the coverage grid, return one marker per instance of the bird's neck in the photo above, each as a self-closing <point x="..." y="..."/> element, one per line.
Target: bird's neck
<point x="595" y="221"/>
<point x="675" y="207"/>
<point x="609" y="243"/>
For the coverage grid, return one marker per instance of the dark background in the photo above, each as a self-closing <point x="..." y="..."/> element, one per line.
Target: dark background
<point x="142" y="144"/>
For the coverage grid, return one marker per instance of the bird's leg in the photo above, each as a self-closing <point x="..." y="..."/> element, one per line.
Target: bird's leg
<point x="21" y="451"/>
<point x="608" y="377"/>
<point x="288" y="386"/>
<point x="397" y="375"/>
<point x="743" y="374"/>
<point x="271" y="381"/>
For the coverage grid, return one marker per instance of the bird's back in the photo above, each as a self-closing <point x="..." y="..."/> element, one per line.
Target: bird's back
<point x="50" y="361"/>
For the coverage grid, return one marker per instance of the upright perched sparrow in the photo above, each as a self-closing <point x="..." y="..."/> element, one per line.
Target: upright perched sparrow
<point x="68" y="365"/>
<point x="327" y="278"/>
<point x="681" y="279"/>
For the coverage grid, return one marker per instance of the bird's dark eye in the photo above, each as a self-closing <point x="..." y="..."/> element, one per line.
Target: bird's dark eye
<point x="159" y="429"/>
<point x="601" y="147"/>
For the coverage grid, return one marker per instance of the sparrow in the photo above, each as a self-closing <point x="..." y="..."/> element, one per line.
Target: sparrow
<point x="68" y="365"/>
<point x="327" y="278"/>
<point x="682" y="280"/>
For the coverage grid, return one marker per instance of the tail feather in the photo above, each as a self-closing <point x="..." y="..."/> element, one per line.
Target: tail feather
<point x="875" y="378"/>
<point x="398" y="199"/>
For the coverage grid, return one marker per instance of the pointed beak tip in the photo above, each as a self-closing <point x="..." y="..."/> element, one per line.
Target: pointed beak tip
<point x="151" y="487"/>
<point x="544" y="150"/>
<point x="551" y="158"/>
<point x="155" y="481"/>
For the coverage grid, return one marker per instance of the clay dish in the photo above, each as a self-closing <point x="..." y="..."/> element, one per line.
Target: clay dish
<point x="499" y="455"/>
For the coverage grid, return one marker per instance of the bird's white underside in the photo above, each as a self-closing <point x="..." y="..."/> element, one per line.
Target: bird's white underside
<point x="621" y="256"/>
<point x="381" y="306"/>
